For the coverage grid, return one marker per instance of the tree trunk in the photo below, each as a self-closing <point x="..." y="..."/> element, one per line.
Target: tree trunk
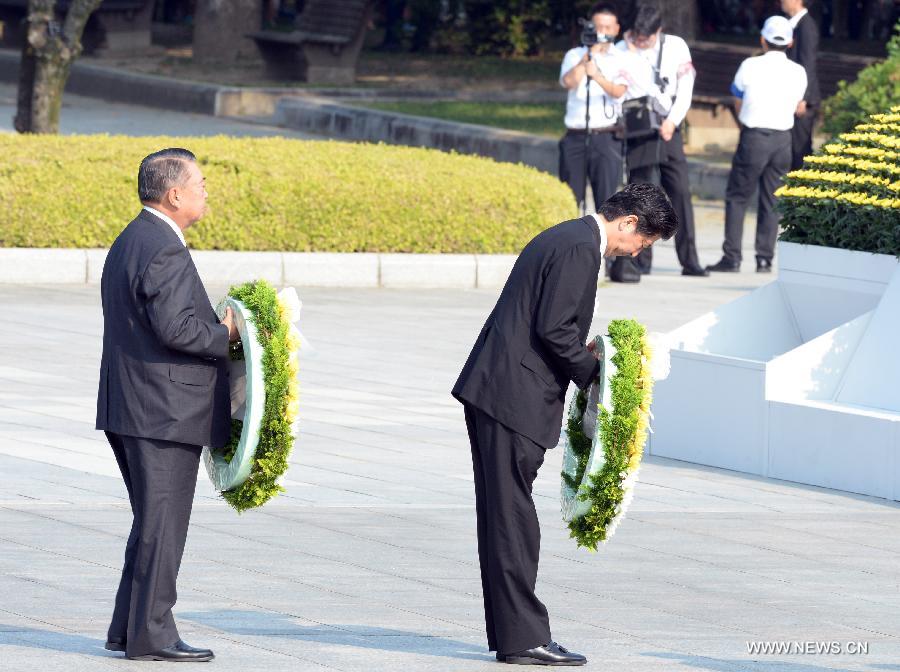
<point x="680" y="17"/>
<point x="220" y="28"/>
<point x="48" y="53"/>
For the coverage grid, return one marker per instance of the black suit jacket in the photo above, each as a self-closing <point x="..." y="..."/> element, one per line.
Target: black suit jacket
<point x="533" y="342"/>
<point x="164" y="370"/>
<point x="805" y="51"/>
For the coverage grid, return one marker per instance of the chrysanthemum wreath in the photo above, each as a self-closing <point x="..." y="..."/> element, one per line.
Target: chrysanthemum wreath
<point x="604" y="436"/>
<point x="264" y="395"/>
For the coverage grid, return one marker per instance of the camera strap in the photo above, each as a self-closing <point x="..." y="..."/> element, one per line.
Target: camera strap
<point x="656" y="71"/>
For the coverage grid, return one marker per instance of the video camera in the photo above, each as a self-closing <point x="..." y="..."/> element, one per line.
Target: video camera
<point x="590" y="37"/>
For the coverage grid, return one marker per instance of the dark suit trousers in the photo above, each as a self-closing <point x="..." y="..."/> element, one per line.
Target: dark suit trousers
<point x="672" y="175"/>
<point x="160" y="477"/>
<point x="762" y="158"/>
<point x="801" y="136"/>
<point x="509" y="535"/>
<point x="604" y="164"/>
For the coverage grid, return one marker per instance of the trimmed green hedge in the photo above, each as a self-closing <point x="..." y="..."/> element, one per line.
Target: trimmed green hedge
<point x="279" y="194"/>
<point x="875" y="89"/>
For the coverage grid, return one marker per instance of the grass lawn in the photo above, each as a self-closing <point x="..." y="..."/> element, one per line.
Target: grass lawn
<point x="537" y="118"/>
<point x="473" y="70"/>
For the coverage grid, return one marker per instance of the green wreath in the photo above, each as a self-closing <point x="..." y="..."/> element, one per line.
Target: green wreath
<point x="262" y="449"/>
<point x="600" y="467"/>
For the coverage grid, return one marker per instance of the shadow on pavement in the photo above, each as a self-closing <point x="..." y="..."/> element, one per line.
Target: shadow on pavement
<point x="268" y="624"/>
<point x="53" y="640"/>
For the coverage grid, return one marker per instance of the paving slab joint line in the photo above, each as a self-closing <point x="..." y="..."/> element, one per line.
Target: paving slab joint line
<point x="24" y="266"/>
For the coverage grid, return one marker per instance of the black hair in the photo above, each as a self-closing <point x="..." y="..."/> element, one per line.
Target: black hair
<point x="161" y="171"/>
<point x="647" y="20"/>
<point x="604" y="8"/>
<point x="649" y="203"/>
<point x="771" y="46"/>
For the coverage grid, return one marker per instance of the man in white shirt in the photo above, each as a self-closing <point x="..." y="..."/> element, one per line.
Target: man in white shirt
<point x="590" y="145"/>
<point x="660" y="158"/>
<point x="769" y="91"/>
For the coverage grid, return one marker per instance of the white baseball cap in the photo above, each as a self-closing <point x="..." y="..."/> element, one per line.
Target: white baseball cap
<point x="777" y="30"/>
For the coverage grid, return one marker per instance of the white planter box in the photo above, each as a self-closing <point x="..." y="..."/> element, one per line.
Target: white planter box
<point x="796" y="380"/>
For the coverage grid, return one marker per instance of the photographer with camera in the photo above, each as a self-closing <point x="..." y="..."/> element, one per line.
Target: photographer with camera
<point x="594" y="76"/>
<point x="657" y="102"/>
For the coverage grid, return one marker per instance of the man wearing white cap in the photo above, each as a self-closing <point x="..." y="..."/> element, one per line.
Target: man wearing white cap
<point x="769" y="91"/>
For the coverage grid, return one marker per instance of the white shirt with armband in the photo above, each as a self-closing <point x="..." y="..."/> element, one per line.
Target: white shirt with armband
<point x="770" y="87"/>
<point x="676" y="70"/>
<point x="605" y="109"/>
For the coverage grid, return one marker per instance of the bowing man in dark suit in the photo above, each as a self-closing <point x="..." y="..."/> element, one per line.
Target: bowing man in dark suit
<point x="164" y="393"/>
<point x="513" y="387"/>
<point x="805" y="51"/>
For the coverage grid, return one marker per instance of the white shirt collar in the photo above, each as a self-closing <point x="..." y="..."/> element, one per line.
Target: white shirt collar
<point x="795" y="19"/>
<point x="168" y="220"/>
<point x="604" y="241"/>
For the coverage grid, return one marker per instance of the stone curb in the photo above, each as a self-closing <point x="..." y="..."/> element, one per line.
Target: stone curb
<point x="133" y="88"/>
<point x="24" y="266"/>
<point x="326" y="117"/>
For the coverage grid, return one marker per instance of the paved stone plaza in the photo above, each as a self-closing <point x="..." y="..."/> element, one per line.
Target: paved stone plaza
<point x="90" y="115"/>
<point x="369" y="561"/>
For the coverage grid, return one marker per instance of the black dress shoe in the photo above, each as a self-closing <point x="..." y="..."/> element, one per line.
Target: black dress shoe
<point x="114" y="645"/>
<point x="624" y="269"/>
<point x="763" y="265"/>
<point x="695" y="271"/>
<point x="178" y="653"/>
<point x="551" y="654"/>
<point x="724" y="266"/>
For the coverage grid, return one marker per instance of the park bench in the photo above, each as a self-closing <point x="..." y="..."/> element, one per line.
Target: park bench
<point x="716" y="64"/>
<point x="323" y="45"/>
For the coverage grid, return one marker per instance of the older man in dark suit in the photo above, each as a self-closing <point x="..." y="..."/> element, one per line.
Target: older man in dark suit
<point x="164" y="393"/>
<point x="805" y="51"/>
<point x="513" y="388"/>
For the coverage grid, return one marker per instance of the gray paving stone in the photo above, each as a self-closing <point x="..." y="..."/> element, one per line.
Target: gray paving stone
<point x="369" y="561"/>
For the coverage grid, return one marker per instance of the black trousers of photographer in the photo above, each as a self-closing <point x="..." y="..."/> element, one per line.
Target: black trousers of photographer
<point x="664" y="163"/>
<point x="604" y="163"/>
<point x="762" y="158"/>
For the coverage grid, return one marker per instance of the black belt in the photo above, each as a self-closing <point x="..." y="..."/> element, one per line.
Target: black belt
<point x="763" y="131"/>
<point x="593" y="131"/>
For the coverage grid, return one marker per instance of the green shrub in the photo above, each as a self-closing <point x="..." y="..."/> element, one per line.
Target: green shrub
<point x="279" y="194"/>
<point x="507" y="27"/>
<point x="876" y="88"/>
<point x="848" y="195"/>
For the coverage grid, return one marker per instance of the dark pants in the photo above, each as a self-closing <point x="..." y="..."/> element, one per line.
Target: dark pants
<point x="801" y="136"/>
<point x="672" y="174"/>
<point x="160" y="477"/>
<point x="509" y="535"/>
<point x="604" y="164"/>
<point x="762" y="158"/>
